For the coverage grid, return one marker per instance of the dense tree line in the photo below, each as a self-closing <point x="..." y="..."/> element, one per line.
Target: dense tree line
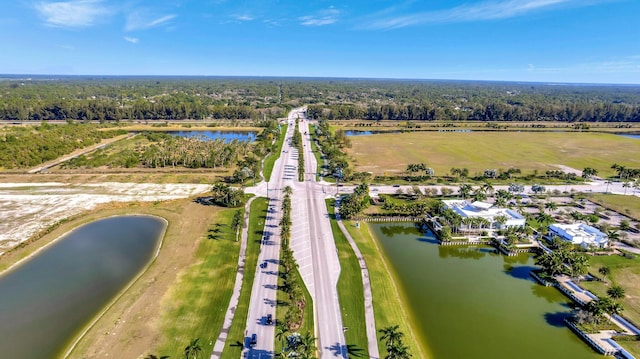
<point x="169" y="98"/>
<point x="492" y="111"/>
<point x="22" y="147"/>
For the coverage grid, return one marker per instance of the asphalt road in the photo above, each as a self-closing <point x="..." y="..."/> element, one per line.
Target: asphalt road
<point x="325" y="264"/>
<point x="265" y="284"/>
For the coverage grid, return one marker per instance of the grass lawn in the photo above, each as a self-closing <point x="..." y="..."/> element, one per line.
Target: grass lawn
<point x="233" y="346"/>
<point x="270" y="160"/>
<point x="350" y="292"/>
<point x="627" y="205"/>
<point x="198" y="301"/>
<point x="625" y="272"/>
<point x="389" y="304"/>
<point x="478" y="151"/>
<point x="632" y="347"/>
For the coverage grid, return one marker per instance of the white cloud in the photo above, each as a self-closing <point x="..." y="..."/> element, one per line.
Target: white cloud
<point x="133" y="40"/>
<point x="74" y="13"/>
<point x="244" y="17"/>
<point x="137" y="21"/>
<point x="488" y="10"/>
<point x="324" y="17"/>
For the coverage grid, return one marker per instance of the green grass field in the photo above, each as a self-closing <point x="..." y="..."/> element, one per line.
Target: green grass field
<point x="350" y="292"/>
<point x="235" y="339"/>
<point x="200" y="298"/>
<point x="625" y="272"/>
<point x="627" y="205"/>
<point x="477" y="151"/>
<point x="389" y="304"/>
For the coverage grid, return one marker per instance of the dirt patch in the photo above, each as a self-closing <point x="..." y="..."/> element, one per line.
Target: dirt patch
<point x="29" y="208"/>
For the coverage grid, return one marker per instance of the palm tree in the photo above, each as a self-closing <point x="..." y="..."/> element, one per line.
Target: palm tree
<point x="625" y="185"/>
<point x="544" y="218"/>
<point x="308" y="344"/>
<point x="193" y="350"/>
<point x="487" y="188"/>
<point x="281" y="333"/>
<point x="288" y="191"/>
<point x="616" y="292"/>
<point x="465" y="190"/>
<point x="551" y="206"/>
<point x="604" y="271"/>
<point x="391" y="335"/>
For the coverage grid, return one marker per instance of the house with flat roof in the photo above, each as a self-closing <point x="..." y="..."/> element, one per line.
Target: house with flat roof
<point x="478" y="209"/>
<point x="579" y="233"/>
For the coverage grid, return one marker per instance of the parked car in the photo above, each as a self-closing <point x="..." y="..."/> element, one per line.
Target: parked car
<point x="254" y="339"/>
<point x="269" y="319"/>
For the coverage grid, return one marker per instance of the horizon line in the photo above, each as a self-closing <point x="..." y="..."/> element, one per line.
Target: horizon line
<point x="7" y="76"/>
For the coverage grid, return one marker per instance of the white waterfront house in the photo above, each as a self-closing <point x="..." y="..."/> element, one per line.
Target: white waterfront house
<point x="579" y="233"/>
<point x="466" y="209"/>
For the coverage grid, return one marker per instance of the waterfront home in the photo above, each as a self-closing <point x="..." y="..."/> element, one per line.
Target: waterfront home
<point x="580" y="233"/>
<point x="496" y="217"/>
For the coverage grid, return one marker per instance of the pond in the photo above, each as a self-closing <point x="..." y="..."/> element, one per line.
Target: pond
<point x="475" y="303"/>
<point x="629" y="135"/>
<point x="48" y="300"/>
<point x="228" y="136"/>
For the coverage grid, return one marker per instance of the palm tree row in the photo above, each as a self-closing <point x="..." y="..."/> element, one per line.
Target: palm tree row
<point x="296" y="141"/>
<point x="290" y="276"/>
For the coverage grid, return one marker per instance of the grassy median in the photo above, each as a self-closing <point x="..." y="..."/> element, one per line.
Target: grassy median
<point x="350" y="292"/>
<point x="389" y="305"/>
<point x="270" y="160"/>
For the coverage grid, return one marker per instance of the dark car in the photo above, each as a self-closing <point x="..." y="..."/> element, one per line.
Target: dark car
<point x="254" y="339"/>
<point x="269" y="319"/>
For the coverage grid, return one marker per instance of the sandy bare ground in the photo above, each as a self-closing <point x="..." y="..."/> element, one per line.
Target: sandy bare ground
<point x="27" y="208"/>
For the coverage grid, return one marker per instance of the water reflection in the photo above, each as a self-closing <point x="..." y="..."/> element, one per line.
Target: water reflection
<point x="473" y="295"/>
<point x="227" y="136"/>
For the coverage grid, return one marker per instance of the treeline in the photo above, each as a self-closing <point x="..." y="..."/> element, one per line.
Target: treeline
<point x="138" y="98"/>
<point x="175" y="98"/>
<point x="22" y="147"/>
<point x="494" y="111"/>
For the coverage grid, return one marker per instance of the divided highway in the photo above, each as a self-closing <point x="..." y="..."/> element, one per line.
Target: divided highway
<point x="313" y="247"/>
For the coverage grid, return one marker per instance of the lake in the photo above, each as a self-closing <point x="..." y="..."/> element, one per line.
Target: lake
<point x="228" y="136"/>
<point x="48" y="300"/>
<point x="475" y="303"/>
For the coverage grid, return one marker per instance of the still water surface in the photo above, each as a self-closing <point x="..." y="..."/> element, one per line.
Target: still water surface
<point x="227" y="136"/>
<point x="474" y="303"/>
<point x="46" y="301"/>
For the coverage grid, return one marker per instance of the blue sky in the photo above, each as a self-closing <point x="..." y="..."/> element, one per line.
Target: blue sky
<point x="594" y="41"/>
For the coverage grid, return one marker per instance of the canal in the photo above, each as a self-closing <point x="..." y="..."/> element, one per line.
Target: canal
<point x="46" y="302"/>
<point x="474" y="303"/>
